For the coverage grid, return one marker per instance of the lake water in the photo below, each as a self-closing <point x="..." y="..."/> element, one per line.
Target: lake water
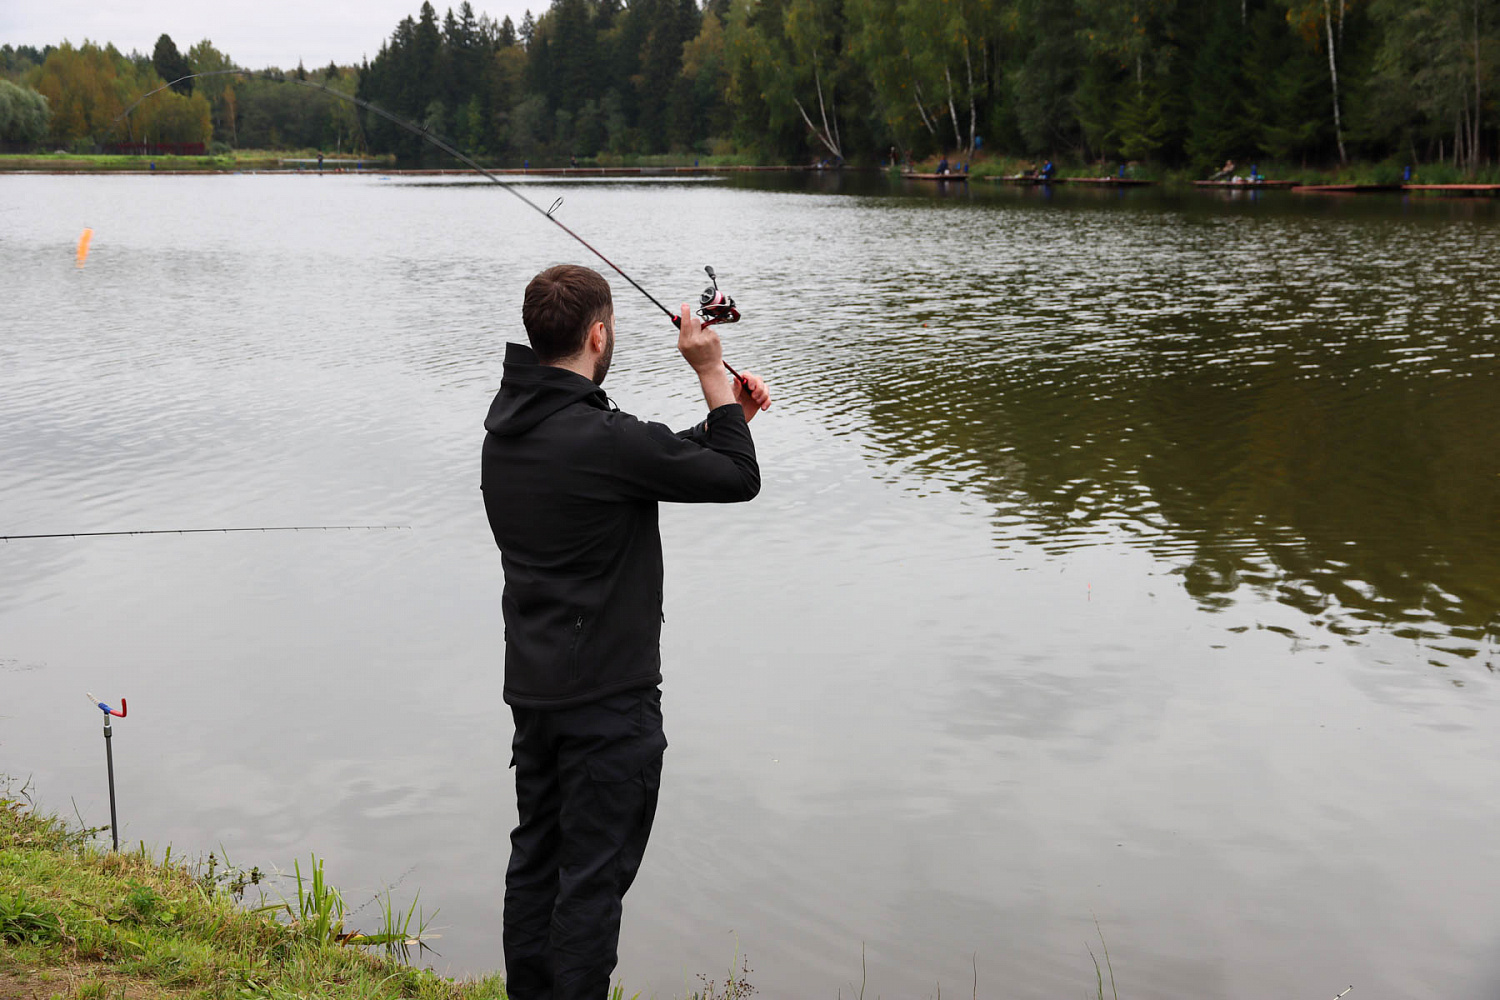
<point x="1120" y="557"/>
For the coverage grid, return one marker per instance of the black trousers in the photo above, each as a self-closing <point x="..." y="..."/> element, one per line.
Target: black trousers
<point x="586" y="787"/>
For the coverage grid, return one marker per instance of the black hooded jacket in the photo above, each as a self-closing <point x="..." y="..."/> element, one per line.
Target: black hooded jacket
<point x="571" y="486"/>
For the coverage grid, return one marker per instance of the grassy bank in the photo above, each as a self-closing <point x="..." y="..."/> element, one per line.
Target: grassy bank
<point x="983" y="165"/>
<point x="1385" y="172"/>
<point x="245" y="159"/>
<point x="277" y="160"/>
<point x="78" y="922"/>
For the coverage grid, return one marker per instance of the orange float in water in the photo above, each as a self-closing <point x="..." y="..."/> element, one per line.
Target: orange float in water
<point x="83" y="246"/>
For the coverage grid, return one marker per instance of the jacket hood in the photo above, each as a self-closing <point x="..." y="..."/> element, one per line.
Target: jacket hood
<point x="530" y="392"/>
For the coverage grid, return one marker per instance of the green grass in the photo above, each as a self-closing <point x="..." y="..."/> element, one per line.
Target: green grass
<point x="1098" y="973"/>
<point x="77" y="921"/>
<point x="243" y="159"/>
<point x="125" y="924"/>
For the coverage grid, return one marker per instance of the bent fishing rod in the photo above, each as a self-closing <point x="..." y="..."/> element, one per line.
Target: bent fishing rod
<point x="714" y="306"/>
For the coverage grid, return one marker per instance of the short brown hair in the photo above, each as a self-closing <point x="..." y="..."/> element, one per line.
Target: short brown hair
<point x="560" y="305"/>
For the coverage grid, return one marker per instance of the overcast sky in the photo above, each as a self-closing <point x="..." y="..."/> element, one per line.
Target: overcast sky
<point x="255" y="35"/>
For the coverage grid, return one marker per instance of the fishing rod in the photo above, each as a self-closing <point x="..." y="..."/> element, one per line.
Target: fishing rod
<point x="213" y="531"/>
<point x="713" y="305"/>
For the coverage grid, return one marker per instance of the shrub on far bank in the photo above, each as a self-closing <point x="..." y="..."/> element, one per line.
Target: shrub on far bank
<point x="24" y="113"/>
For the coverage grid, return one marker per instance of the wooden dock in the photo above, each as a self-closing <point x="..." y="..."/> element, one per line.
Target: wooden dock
<point x="586" y="171"/>
<point x="1104" y="181"/>
<point x="1249" y="185"/>
<point x="1096" y="181"/>
<point x="940" y="178"/>
<point x="1455" y="189"/>
<point x="1344" y="188"/>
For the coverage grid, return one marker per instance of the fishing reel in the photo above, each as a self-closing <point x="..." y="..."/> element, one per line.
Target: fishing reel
<point x="714" y="305"/>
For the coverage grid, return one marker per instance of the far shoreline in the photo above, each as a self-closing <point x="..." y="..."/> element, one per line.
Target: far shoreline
<point x="1435" y="180"/>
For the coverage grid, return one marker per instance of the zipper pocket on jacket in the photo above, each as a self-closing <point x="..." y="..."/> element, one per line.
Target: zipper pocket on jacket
<point x="661" y="606"/>
<point x="573" y="652"/>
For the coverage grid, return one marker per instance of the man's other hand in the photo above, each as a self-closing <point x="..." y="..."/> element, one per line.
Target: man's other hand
<point x="699" y="344"/>
<point x="756" y="399"/>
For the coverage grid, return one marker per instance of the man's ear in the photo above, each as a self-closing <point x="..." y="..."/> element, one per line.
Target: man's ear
<point x="598" y="337"/>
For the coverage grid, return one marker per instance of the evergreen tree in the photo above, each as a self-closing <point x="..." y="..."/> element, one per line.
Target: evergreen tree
<point x="450" y="87"/>
<point x="1284" y="79"/>
<point x="171" y="65"/>
<point x="426" y="68"/>
<point x="1140" y="125"/>
<point x="1045" y="81"/>
<point x="573" y="53"/>
<point x="19" y="61"/>
<point x="1219" y="126"/>
<point x="1096" y="102"/>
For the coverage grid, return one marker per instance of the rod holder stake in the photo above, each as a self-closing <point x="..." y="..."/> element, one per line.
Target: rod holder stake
<point x="109" y="761"/>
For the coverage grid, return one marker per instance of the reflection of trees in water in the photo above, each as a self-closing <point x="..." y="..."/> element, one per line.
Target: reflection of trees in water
<point x="1362" y="491"/>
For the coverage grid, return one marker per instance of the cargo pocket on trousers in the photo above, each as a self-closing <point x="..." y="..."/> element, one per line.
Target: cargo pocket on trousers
<point x="623" y="762"/>
<point x="626" y="782"/>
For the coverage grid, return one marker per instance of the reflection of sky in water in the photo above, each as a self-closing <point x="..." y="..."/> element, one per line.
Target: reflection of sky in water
<point x="947" y="687"/>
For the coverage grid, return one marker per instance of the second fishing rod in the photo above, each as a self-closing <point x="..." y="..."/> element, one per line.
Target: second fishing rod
<point x="714" y="305"/>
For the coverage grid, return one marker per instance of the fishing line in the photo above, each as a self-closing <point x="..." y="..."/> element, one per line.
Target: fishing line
<point x="214" y="531"/>
<point x="422" y="132"/>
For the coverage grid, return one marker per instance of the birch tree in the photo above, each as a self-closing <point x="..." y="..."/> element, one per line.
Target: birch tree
<point x="1321" y="23"/>
<point x="786" y="56"/>
<point x="812" y="31"/>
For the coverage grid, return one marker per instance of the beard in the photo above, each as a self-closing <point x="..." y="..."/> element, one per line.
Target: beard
<point x="601" y="365"/>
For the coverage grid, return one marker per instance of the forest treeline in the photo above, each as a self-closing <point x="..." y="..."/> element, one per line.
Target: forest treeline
<point x="1181" y="83"/>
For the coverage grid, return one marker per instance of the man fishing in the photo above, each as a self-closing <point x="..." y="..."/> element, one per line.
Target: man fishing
<point x="571" y="487"/>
